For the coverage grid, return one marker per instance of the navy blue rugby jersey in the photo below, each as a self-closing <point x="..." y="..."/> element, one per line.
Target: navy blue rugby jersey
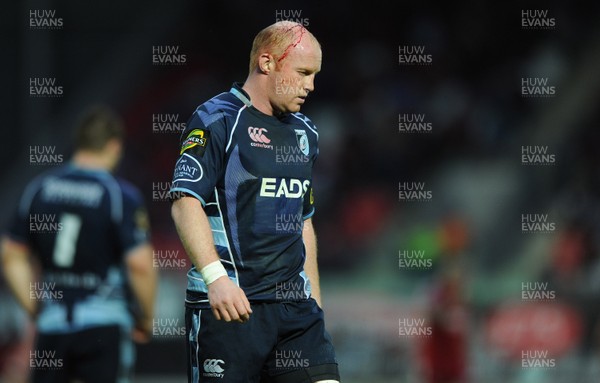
<point x="80" y="224"/>
<point x="253" y="175"/>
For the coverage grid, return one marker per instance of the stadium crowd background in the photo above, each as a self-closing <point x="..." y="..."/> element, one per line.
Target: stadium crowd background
<point x="491" y="292"/>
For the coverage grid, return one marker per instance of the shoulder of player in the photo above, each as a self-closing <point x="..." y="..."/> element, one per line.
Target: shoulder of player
<point x="35" y="185"/>
<point x="116" y="186"/>
<point x="216" y="113"/>
<point x="129" y="190"/>
<point x="38" y="181"/>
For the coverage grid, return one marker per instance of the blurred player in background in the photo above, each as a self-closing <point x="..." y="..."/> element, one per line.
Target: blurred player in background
<point x="89" y="233"/>
<point x="243" y="204"/>
<point x="16" y="338"/>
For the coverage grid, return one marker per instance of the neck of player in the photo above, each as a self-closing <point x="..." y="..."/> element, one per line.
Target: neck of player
<point x="256" y="90"/>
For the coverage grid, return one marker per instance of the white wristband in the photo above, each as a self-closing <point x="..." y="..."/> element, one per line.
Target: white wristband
<point x="212" y="272"/>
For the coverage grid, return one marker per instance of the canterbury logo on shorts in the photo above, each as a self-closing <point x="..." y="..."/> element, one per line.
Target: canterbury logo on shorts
<point x="213" y="369"/>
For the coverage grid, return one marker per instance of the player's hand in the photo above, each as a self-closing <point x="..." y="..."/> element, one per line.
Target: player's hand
<point x="228" y="301"/>
<point x="142" y="332"/>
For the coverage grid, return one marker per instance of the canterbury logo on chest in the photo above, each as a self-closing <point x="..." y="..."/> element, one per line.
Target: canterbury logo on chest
<point x="259" y="137"/>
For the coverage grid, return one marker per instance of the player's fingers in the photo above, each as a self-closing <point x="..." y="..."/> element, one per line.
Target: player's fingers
<point x="216" y="313"/>
<point x="140" y="336"/>
<point x="233" y="313"/>
<point x="226" y="313"/>
<point x="242" y="311"/>
<point x="246" y="303"/>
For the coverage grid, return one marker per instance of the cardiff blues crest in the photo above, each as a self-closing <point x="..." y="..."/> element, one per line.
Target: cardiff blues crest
<point x="302" y="139"/>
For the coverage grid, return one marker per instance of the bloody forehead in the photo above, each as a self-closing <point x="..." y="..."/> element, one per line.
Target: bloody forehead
<point x="300" y="34"/>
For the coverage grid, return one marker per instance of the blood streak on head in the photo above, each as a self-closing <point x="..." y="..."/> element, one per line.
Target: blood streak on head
<point x="293" y="45"/>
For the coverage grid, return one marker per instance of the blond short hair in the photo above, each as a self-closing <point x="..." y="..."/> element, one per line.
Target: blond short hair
<point x="278" y="39"/>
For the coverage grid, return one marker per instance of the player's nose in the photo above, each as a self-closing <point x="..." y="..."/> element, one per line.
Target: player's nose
<point x="309" y="84"/>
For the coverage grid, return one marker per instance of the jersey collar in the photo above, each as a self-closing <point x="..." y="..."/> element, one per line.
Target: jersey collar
<point x="240" y="93"/>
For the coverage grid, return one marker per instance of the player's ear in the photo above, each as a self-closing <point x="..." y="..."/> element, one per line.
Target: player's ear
<point x="114" y="145"/>
<point x="266" y="63"/>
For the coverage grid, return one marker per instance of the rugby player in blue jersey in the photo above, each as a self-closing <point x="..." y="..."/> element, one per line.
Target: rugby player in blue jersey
<point x="242" y="204"/>
<point x="88" y="234"/>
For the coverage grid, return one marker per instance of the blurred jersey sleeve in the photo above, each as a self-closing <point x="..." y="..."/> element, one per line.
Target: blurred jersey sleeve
<point x="18" y="227"/>
<point x="134" y="228"/>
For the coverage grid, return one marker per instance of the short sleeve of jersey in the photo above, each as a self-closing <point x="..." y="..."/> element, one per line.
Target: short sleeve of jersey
<point x="18" y="228"/>
<point x="135" y="225"/>
<point x="308" y="207"/>
<point x="201" y="156"/>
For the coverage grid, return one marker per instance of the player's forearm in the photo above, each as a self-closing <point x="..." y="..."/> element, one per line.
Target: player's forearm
<point x="143" y="279"/>
<point x="18" y="273"/>
<point x="194" y="231"/>
<point x="311" y="267"/>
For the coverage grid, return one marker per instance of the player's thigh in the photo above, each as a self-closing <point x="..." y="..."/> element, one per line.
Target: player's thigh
<point x="103" y="354"/>
<point x="228" y="352"/>
<point x="48" y="361"/>
<point x="304" y="352"/>
<point x="323" y="373"/>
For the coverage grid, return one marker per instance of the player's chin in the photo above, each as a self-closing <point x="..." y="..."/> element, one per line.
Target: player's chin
<point x="294" y="108"/>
